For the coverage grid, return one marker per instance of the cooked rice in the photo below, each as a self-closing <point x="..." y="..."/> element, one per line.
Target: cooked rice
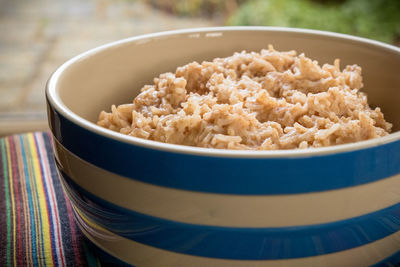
<point x="260" y="101"/>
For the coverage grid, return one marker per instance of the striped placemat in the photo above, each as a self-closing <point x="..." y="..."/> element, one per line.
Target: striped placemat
<point x="37" y="227"/>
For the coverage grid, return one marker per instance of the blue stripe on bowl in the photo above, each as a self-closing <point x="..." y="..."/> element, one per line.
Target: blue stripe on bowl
<point x="227" y="175"/>
<point x="234" y="242"/>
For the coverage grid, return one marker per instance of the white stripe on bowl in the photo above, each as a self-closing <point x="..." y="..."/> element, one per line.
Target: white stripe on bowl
<point x="230" y="210"/>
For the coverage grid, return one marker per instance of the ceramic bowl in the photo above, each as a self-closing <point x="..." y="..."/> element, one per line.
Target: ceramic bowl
<point x="147" y="203"/>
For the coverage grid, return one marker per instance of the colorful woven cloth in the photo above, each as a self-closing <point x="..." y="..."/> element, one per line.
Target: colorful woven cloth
<point x="37" y="227"/>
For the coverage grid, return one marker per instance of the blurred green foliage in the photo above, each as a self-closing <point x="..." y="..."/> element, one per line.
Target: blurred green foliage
<point x="207" y="8"/>
<point x="376" y="19"/>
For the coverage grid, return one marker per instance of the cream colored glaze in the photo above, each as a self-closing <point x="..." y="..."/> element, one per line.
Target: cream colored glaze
<point x="89" y="82"/>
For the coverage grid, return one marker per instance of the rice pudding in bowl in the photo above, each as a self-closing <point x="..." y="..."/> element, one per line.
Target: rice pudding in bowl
<point x="150" y="203"/>
<point x="262" y="101"/>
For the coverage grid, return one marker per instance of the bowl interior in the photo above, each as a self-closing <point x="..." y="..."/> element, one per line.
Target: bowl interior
<point x="114" y="74"/>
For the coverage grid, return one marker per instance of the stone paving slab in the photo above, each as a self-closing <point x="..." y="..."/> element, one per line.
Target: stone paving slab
<point x="37" y="36"/>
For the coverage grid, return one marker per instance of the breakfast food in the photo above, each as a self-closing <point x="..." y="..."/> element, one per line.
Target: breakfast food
<point x="258" y="101"/>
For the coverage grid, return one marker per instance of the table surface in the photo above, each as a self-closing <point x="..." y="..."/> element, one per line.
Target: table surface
<point x="37" y="226"/>
<point x="38" y="36"/>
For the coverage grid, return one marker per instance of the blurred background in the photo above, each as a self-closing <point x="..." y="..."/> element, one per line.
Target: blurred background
<point x="36" y="36"/>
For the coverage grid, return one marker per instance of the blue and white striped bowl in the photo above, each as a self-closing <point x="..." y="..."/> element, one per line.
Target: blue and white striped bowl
<point x="156" y="204"/>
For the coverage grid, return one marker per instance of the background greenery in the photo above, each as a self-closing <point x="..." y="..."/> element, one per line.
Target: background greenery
<point x="375" y="19"/>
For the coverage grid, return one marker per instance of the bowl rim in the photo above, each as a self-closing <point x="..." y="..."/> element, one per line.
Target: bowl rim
<point x="55" y="101"/>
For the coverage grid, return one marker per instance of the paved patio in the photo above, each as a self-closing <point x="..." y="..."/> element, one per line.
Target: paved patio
<point x="37" y="36"/>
